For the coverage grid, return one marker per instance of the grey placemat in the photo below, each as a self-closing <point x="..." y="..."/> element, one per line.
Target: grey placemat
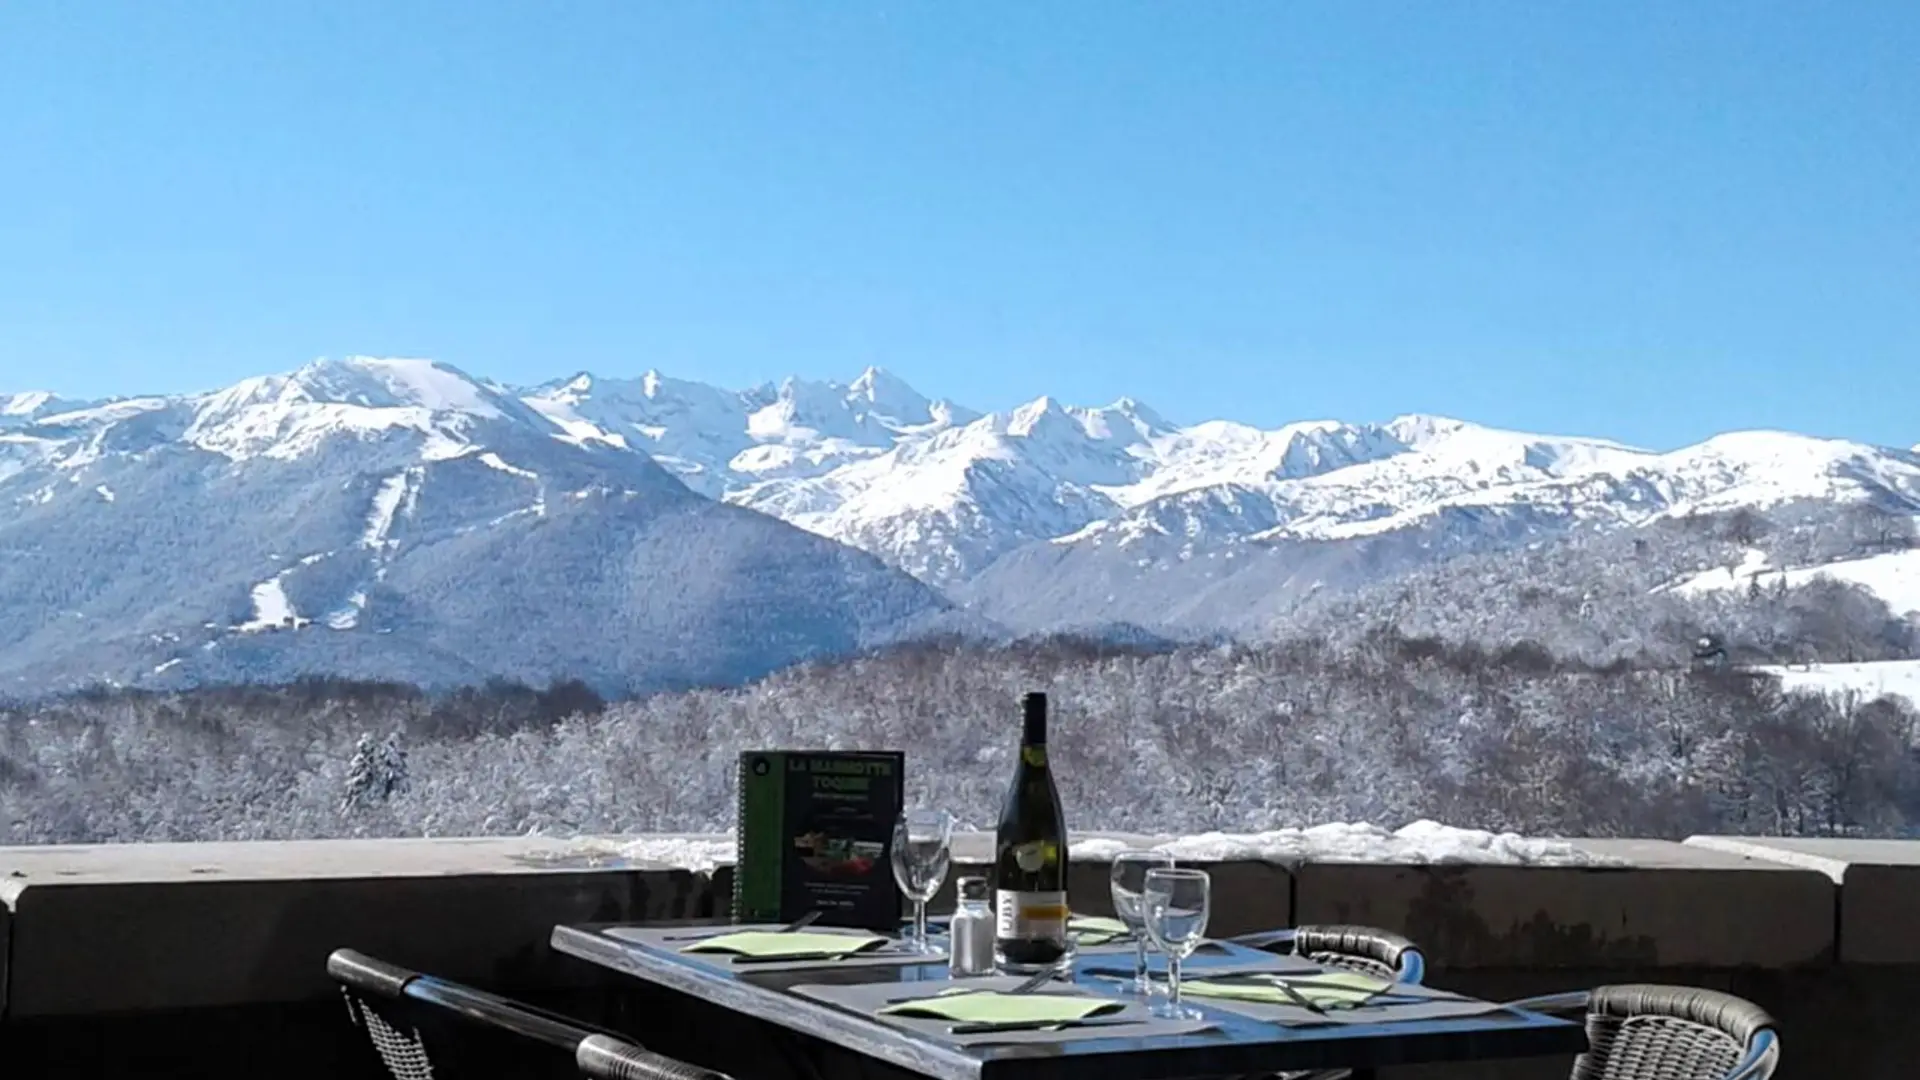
<point x="867" y="999"/>
<point x="675" y="939"/>
<point x="1405" y="1003"/>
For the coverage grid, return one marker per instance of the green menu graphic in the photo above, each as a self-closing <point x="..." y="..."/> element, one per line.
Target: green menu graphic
<point x="815" y="833"/>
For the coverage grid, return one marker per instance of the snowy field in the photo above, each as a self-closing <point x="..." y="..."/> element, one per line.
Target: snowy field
<point x="1894" y="577"/>
<point x="1873" y="679"/>
<point x="1421" y="843"/>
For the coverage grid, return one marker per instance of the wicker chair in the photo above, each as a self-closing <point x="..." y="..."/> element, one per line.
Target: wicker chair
<point x="1640" y="1032"/>
<point x="1357" y="948"/>
<point x="474" y="1033"/>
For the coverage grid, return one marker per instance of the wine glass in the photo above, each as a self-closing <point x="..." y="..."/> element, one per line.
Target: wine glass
<point x="1129" y="880"/>
<point x="921" y="855"/>
<point x="1176" y="903"/>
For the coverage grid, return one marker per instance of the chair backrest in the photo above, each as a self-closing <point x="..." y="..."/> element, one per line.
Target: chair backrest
<point x="1643" y="1032"/>
<point x="1362" y="948"/>
<point x="425" y="1028"/>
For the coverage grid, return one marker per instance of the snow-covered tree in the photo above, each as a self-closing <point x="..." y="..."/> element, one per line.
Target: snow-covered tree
<point x="362" y="775"/>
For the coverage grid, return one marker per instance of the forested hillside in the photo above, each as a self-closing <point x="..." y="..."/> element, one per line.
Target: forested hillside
<point x="1384" y="729"/>
<point x="1602" y="596"/>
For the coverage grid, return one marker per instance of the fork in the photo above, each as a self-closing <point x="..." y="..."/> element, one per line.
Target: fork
<point x="1034" y="982"/>
<point x="1261" y="978"/>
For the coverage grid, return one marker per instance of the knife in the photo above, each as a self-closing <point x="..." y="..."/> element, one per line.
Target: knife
<point x="986" y="1027"/>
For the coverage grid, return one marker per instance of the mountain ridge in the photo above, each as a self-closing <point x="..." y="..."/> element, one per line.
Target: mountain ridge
<point x="1039" y="518"/>
<point x="943" y="496"/>
<point x="398" y="519"/>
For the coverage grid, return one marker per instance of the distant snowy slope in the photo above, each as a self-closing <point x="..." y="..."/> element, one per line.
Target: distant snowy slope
<point x="1899" y="678"/>
<point x="397" y="519"/>
<point x="1892" y="576"/>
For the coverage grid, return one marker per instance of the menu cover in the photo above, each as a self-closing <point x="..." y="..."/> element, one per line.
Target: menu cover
<point x="815" y="833"/>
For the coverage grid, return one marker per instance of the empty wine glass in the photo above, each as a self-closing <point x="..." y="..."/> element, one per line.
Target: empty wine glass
<point x="921" y="855"/>
<point x="1176" y="903"/>
<point x="1128" y="882"/>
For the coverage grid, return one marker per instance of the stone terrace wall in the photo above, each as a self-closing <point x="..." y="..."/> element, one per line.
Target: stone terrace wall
<point x="190" y="959"/>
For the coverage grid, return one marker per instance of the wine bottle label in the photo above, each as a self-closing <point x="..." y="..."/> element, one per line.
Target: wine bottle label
<point x="1030" y="915"/>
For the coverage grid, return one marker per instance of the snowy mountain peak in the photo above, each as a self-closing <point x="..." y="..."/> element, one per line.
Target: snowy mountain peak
<point x="1138" y="410"/>
<point x="287" y="416"/>
<point x="888" y="396"/>
<point x="1040" y="417"/>
<point x="29" y="403"/>
<point x="804" y="410"/>
<point x="389" y="383"/>
<point x="1418" y="430"/>
<point x="1126" y="422"/>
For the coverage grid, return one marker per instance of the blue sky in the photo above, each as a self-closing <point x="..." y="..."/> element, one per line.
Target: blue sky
<point x="1650" y="221"/>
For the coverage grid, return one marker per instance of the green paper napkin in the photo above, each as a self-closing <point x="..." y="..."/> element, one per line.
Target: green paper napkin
<point x="987" y="1007"/>
<point x="773" y="943"/>
<point x="1096" y="929"/>
<point x="1329" y="990"/>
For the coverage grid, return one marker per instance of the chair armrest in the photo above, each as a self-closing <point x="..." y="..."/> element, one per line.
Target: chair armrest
<point x="1761" y="1058"/>
<point x="367" y="975"/>
<point x="607" y="1058"/>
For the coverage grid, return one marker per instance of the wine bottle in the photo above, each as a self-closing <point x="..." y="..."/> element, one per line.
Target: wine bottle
<point x="1030" y="859"/>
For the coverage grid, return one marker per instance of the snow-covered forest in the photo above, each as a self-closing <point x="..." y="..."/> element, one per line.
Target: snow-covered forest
<point x="1387" y="730"/>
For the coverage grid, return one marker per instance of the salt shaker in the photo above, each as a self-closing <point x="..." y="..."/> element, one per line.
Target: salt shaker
<point x="971" y="930"/>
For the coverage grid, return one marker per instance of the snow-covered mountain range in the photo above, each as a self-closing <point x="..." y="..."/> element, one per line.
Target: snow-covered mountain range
<point x="943" y="491"/>
<point x="399" y="520"/>
<point x="357" y="472"/>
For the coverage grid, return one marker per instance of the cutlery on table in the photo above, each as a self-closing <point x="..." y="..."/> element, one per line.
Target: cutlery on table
<point x="990" y="1026"/>
<point x="1289" y="988"/>
<point x="1035" y="982"/>
<point x="1261" y="978"/>
<point x="1298" y="998"/>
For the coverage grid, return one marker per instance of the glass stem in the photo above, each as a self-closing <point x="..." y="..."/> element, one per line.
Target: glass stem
<point x="1140" y="963"/>
<point x="920" y="923"/>
<point x="1173" y="979"/>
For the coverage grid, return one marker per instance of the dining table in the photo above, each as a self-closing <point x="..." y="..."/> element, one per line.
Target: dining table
<point x="874" y="1004"/>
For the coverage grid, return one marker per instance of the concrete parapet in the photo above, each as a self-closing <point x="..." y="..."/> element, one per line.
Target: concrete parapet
<point x="1672" y="906"/>
<point x="1878" y="882"/>
<point x="129" y="927"/>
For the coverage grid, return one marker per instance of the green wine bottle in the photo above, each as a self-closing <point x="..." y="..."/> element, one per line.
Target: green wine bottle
<point x="1030" y="859"/>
